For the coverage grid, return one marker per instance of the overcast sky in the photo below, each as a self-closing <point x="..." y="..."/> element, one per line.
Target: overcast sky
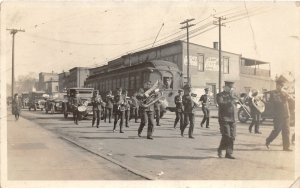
<point x="61" y="35"/>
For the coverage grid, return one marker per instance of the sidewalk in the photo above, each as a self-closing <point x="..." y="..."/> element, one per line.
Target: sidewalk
<point x="35" y="153"/>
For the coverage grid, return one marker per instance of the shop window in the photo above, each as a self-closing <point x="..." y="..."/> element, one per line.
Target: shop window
<point x="201" y="62"/>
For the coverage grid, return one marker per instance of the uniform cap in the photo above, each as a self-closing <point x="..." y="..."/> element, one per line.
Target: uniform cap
<point x="281" y="80"/>
<point x="206" y="89"/>
<point x="187" y="87"/>
<point x="229" y="83"/>
<point x="254" y="92"/>
<point x="180" y="90"/>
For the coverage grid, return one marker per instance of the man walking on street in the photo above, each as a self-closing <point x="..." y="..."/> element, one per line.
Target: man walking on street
<point x="179" y="109"/>
<point x="205" y="99"/>
<point x="226" y="102"/>
<point x="157" y="105"/>
<point x="109" y="106"/>
<point x="147" y="114"/>
<point x="189" y="105"/>
<point x="134" y="108"/>
<point x="279" y="100"/>
<point x="127" y="107"/>
<point x="97" y="108"/>
<point x="255" y="114"/>
<point x="119" y="110"/>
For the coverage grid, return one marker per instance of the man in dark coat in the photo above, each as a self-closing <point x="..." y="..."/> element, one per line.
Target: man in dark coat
<point x="119" y="110"/>
<point x="255" y="114"/>
<point x="279" y="100"/>
<point x="97" y="108"/>
<point x="179" y="109"/>
<point x="205" y="100"/>
<point x="226" y="103"/>
<point x="147" y="114"/>
<point x="16" y="106"/>
<point x="134" y="108"/>
<point x="109" y="106"/>
<point x="189" y="106"/>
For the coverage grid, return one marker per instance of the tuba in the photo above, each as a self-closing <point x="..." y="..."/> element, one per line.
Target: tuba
<point x="258" y="104"/>
<point x="152" y="96"/>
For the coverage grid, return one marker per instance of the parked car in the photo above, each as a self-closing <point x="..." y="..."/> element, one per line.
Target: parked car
<point x="37" y="100"/>
<point x="25" y="99"/>
<point x="54" y="104"/>
<point x="85" y="94"/>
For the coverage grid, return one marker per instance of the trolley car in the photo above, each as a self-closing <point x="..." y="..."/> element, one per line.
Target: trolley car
<point x="134" y="77"/>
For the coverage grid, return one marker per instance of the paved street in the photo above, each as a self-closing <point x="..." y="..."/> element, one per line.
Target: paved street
<point x="78" y="152"/>
<point x="37" y="154"/>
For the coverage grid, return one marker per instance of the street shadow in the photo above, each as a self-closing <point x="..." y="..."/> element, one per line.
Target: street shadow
<point x="238" y="149"/>
<point x="109" y="138"/>
<point x="166" y="157"/>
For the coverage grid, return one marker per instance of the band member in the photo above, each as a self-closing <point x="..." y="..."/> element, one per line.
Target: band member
<point x="119" y="109"/>
<point x="16" y="106"/>
<point x="109" y="106"/>
<point x="97" y="108"/>
<point x="205" y="100"/>
<point x="226" y="102"/>
<point x="157" y="105"/>
<point x="255" y="114"/>
<point x="179" y="109"/>
<point x="146" y="114"/>
<point x="127" y="107"/>
<point x="279" y="100"/>
<point x="134" y="108"/>
<point x="76" y="113"/>
<point x="189" y="105"/>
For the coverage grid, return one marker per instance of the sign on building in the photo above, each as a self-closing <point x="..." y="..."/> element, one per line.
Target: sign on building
<point x="211" y="64"/>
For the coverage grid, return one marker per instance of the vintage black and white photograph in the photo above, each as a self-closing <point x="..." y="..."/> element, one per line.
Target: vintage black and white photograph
<point x="138" y="93"/>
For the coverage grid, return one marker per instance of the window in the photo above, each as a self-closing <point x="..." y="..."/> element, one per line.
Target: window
<point x="132" y="80"/>
<point x="201" y="62"/>
<point x="137" y="81"/>
<point x="226" y="65"/>
<point x="126" y="82"/>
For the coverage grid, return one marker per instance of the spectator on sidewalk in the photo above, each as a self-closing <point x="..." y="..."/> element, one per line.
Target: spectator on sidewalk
<point x="16" y="106"/>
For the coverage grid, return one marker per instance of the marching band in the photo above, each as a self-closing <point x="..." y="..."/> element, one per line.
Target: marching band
<point x="146" y="105"/>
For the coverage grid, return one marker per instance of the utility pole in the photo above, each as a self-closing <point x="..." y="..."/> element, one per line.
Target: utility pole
<point x="187" y="26"/>
<point x="13" y="32"/>
<point x="219" y="23"/>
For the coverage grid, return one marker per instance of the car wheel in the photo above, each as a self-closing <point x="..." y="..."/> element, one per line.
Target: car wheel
<point x="242" y="115"/>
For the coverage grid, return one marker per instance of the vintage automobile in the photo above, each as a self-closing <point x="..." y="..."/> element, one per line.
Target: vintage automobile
<point x="25" y="99"/>
<point x="85" y="95"/>
<point x="54" y="104"/>
<point x="243" y="116"/>
<point x="37" y="100"/>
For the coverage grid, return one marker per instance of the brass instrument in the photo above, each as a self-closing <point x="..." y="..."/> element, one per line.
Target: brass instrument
<point x="152" y="95"/>
<point x="258" y="104"/>
<point x="194" y="99"/>
<point x="238" y="100"/>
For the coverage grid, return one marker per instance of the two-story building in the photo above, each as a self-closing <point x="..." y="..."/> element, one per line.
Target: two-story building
<point x="204" y="66"/>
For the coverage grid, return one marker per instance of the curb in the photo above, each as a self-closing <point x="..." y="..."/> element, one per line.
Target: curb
<point x="134" y="171"/>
